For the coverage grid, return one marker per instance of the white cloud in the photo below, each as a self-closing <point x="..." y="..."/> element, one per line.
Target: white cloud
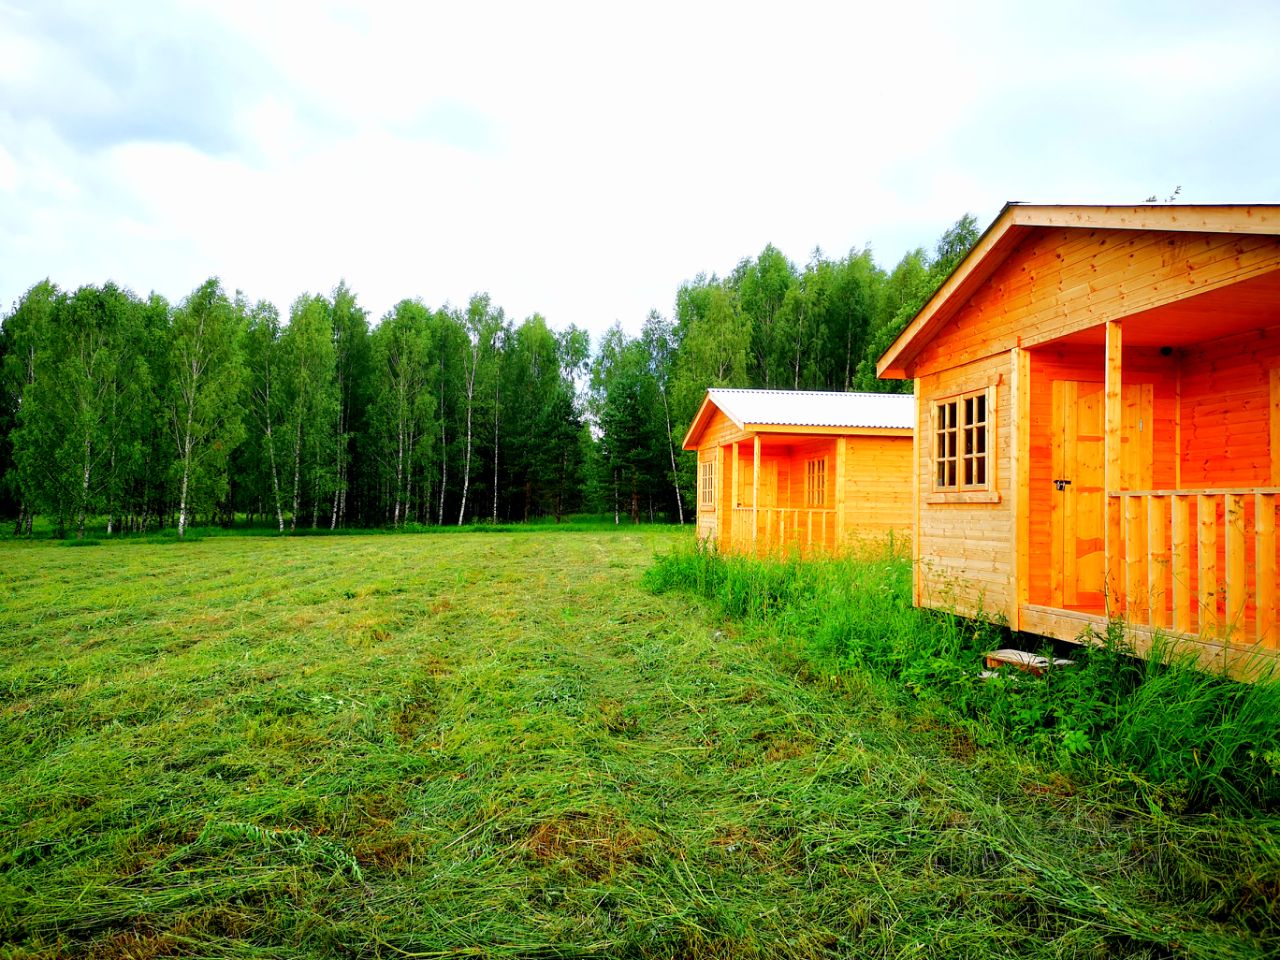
<point x="582" y="160"/>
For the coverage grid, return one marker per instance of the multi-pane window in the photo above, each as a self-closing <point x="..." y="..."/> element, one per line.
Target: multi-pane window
<point x="707" y="484"/>
<point x="961" y="443"/>
<point x="815" y="483"/>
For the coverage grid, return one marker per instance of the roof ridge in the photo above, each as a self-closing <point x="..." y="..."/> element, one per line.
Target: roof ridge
<point x="822" y="393"/>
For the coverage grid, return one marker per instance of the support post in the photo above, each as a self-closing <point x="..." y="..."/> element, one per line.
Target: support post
<point x="755" y="490"/>
<point x="1275" y="427"/>
<point x="1113" y="421"/>
<point x="735" y="500"/>
<point x="917" y="474"/>
<point x="721" y="519"/>
<point x="1020" y="480"/>
<point x="842" y="453"/>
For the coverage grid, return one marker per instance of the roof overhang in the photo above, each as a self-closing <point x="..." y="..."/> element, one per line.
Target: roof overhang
<point x="709" y="408"/>
<point x="821" y="431"/>
<point x="700" y="421"/>
<point x="1016" y="220"/>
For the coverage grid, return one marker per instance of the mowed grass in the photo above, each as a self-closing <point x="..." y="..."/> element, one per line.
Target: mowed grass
<point x="502" y="745"/>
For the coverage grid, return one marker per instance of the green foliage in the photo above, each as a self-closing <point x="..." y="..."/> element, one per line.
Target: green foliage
<point x="1184" y="736"/>
<point x="203" y="388"/>
<point x="124" y="414"/>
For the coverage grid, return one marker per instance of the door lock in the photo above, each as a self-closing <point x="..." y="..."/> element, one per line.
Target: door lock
<point x="1062" y="484"/>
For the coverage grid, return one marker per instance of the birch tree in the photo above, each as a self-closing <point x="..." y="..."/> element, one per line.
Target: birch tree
<point x="481" y="323"/>
<point x="658" y="339"/>
<point x="265" y="394"/>
<point x="351" y="351"/>
<point x="202" y="384"/>
<point x="402" y="413"/>
<point x="307" y="361"/>
<point x="24" y="334"/>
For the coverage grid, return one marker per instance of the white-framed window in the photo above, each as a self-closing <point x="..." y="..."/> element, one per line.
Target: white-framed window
<point x="962" y="442"/>
<point x="815" y="482"/>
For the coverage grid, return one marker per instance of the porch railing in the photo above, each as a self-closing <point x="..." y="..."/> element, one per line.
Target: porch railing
<point x="1202" y="562"/>
<point x="784" y="528"/>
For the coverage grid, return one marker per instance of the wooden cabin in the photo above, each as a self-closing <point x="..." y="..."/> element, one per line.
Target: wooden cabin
<point x="801" y="471"/>
<point x="1098" y="406"/>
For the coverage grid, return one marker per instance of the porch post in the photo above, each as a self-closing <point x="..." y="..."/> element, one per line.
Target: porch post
<point x="734" y="496"/>
<point x="721" y="519"/>
<point x="755" y="491"/>
<point x="1113" y="421"/>
<point x="1275" y="427"/>
<point x="1020" y="480"/>
<point x="842" y="453"/>
<point x="917" y="475"/>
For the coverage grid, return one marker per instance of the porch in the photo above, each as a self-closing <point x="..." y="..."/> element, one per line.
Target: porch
<point x="1152" y="468"/>
<point x="783" y="493"/>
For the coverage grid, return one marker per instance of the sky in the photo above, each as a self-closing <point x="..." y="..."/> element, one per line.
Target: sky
<point x="583" y="160"/>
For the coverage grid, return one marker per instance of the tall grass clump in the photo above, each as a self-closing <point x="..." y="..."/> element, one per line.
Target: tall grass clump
<point x="1190" y="739"/>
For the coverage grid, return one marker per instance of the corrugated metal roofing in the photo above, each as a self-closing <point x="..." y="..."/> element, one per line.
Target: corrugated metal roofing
<point x="816" y="408"/>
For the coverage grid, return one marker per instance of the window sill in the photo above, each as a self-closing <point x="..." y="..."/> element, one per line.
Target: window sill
<point x="964" y="496"/>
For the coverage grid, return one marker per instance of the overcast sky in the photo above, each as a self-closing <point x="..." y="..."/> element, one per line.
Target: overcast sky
<point x="582" y="160"/>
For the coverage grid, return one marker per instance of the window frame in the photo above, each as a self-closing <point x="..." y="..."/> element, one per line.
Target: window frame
<point x="960" y="492"/>
<point x="707" y="485"/>
<point x="815" y="482"/>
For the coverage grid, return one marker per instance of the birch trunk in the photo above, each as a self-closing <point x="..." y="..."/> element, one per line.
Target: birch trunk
<point x="444" y="448"/>
<point x="466" y="460"/>
<point x="297" y="475"/>
<point x="399" y="470"/>
<point x="671" y="448"/>
<point x="496" y="381"/>
<point x="84" y="489"/>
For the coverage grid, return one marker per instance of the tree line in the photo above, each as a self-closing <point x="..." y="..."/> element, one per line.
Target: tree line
<point x="136" y="414"/>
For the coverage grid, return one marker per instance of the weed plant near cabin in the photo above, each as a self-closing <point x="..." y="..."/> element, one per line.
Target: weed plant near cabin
<point x="1187" y="739"/>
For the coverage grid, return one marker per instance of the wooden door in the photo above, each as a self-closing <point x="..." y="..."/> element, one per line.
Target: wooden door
<point x="1078" y="518"/>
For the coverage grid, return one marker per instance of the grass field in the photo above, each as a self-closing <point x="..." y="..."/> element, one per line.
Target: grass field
<point x="502" y="745"/>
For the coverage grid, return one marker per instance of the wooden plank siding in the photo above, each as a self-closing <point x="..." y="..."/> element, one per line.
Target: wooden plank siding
<point x="1059" y="281"/>
<point x="965" y="561"/>
<point x="1226" y="410"/>
<point x="878" y="492"/>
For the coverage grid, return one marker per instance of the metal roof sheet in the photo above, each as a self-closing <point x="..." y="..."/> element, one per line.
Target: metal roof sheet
<point x="816" y="408"/>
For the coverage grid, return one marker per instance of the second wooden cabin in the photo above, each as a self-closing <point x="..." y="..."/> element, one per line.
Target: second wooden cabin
<point x="801" y="471"/>
<point x="1098" y="407"/>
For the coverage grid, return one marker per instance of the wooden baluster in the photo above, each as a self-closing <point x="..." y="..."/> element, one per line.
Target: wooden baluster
<point x="1237" y="574"/>
<point x="1207" y="552"/>
<point x="1182" y="564"/>
<point x="1157" y="559"/>
<point x="1135" y="554"/>
<point x="1264" y="567"/>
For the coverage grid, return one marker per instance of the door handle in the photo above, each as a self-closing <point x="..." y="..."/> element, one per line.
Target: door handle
<point x="1062" y="484"/>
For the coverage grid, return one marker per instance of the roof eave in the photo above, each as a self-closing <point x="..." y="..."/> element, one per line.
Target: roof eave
<point x="699" y="424"/>
<point x="892" y="364"/>
<point x="811" y="429"/>
<point x="1263" y="219"/>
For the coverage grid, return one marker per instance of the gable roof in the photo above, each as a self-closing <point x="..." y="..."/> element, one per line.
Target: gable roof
<point x="804" y="411"/>
<point x="1016" y="220"/>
